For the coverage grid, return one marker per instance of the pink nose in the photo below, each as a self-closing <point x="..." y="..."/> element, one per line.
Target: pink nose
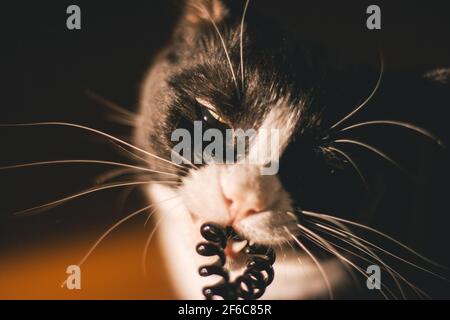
<point x="242" y="207"/>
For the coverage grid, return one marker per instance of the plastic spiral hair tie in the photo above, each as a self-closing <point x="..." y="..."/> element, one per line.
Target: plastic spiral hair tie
<point x="257" y="275"/>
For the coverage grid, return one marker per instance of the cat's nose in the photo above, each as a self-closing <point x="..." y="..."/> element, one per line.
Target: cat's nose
<point x="241" y="206"/>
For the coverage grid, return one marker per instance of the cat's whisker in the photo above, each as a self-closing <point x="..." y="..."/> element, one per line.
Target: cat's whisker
<point x="147" y="245"/>
<point x="380" y="249"/>
<point x="365" y="102"/>
<point x="121" y="199"/>
<point x="372" y="255"/>
<point x="132" y="123"/>
<point x="106" y="233"/>
<point x="131" y="155"/>
<point x="112" y="228"/>
<point x="359" y="225"/>
<point x="115" y="226"/>
<point x="297" y="256"/>
<point x="222" y="40"/>
<point x="135" y="156"/>
<point x="149" y="239"/>
<point x="242" y="44"/>
<point x="346" y="266"/>
<point x="101" y="133"/>
<point x="153" y="211"/>
<point x="316" y="262"/>
<point x="111" y="174"/>
<point x="295" y="251"/>
<point x="122" y="121"/>
<point x="398" y="124"/>
<point x="133" y="176"/>
<point x="283" y="253"/>
<point x="373" y="149"/>
<point x="392" y="272"/>
<point x="111" y="105"/>
<point x="341" y="227"/>
<point x="186" y="161"/>
<point x="353" y="267"/>
<point x="342" y="258"/>
<point x="349" y="159"/>
<point x="90" y="161"/>
<point x="349" y="269"/>
<point x="90" y="191"/>
<point x="162" y="165"/>
<point x="149" y="217"/>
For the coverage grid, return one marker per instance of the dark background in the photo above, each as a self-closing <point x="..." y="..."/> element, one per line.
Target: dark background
<point x="46" y="70"/>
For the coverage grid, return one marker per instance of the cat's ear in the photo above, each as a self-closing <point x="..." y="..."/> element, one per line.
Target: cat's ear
<point x="199" y="12"/>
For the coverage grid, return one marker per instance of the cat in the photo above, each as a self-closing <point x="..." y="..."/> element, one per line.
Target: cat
<point x="229" y="69"/>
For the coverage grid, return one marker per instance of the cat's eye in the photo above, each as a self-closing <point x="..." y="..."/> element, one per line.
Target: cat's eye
<point x="209" y="111"/>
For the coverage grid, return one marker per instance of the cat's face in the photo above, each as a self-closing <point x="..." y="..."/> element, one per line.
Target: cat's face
<point x="261" y="81"/>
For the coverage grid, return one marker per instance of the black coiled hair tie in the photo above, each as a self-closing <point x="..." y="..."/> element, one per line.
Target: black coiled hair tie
<point x="257" y="275"/>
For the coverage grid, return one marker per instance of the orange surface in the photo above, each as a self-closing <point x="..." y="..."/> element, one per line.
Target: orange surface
<point x="112" y="272"/>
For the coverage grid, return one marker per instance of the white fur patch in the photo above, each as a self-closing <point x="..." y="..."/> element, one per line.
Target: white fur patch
<point x="274" y="133"/>
<point x="204" y="192"/>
